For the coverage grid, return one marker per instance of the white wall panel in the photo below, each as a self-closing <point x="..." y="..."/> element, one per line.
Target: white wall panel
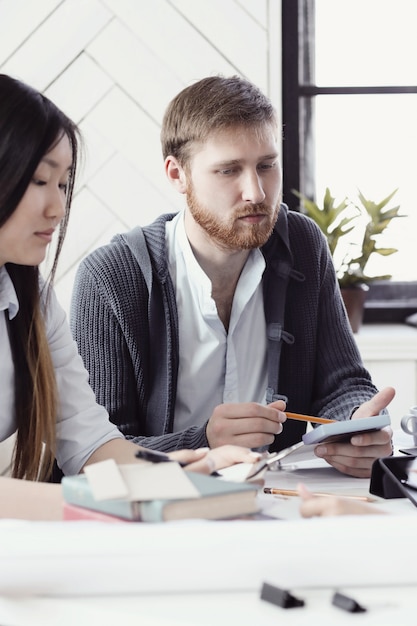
<point x="233" y="32"/>
<point x="139" y="72"/>
<point x="113" y="66"/>
<point x="57" y="41"/>
<point x="18" y="19"/>
<point x="130" y="132"/>
<point x="80" y="88"/>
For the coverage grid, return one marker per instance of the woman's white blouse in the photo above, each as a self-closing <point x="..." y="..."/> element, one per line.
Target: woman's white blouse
<point x="82" y="424"/>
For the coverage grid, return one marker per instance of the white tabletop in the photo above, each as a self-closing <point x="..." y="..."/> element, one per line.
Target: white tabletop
<point x="206" y="573"/>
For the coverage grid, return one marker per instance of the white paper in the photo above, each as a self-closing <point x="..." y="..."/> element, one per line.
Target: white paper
<point x="291" y="457"/>
<point x="157" y="481"/>
<point x="106" y="481"/>
<point x="139" y="481"/>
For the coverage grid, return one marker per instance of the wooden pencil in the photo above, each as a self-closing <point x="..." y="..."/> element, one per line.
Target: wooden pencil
<point x="294" y="492"/>
<point x="308" y="418"/>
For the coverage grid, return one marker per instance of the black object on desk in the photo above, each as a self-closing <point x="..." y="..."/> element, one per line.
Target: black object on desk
<point x="395" y="477"/>
<point x="346" y="603"/>
<point x="280" y="597"/>
<point x="155" y="456"/>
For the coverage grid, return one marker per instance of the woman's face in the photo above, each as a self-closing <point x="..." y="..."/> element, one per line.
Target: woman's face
<point x="28" y="231"/>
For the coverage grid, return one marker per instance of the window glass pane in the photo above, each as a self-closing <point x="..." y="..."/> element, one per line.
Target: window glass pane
<point x="370" y="143"/>
<point x="366" y="42"/>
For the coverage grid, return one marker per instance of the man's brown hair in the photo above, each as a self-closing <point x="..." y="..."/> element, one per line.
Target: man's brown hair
<point x="210" y="105"/>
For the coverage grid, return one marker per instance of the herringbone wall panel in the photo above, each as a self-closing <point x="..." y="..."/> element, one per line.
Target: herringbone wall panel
<point x="113" y="66"/>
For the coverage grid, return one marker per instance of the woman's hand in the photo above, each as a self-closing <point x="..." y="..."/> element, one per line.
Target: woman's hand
<point x="324" y="506"/>
<point x="207" y="461"/>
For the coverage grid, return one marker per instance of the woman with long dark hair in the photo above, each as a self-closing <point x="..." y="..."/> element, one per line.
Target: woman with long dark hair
<point x="44" y="392"/>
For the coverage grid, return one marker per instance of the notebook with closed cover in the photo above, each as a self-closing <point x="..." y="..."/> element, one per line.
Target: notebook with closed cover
<point x="218" y="499"/>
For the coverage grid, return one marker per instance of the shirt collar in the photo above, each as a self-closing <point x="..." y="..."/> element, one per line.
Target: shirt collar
<point x="192" y="266"/>
<point x="8" y="296"/>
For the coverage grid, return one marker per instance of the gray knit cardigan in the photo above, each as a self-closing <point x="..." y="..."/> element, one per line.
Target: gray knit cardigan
<point x="124" y="319"/>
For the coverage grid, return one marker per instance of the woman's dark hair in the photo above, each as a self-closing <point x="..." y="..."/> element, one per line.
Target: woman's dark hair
<point x="30" y="126"/>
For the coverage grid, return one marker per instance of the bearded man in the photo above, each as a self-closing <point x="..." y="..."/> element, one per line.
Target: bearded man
<point x="204" y="327"/>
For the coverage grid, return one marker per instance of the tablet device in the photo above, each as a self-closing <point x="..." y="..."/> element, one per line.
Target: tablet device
<point x="344" y="430"/>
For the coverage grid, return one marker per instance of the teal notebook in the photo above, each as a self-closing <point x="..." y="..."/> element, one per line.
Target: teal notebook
<point x="219" y="499"/>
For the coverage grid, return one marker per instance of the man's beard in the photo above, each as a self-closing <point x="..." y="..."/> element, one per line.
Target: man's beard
<point x="231" y="233"/>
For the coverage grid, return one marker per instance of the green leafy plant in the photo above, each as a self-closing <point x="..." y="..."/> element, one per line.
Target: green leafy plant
<point x="337" y="220"/>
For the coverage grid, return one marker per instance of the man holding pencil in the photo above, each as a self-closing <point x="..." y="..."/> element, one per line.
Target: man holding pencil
<point x="205" y="326"/>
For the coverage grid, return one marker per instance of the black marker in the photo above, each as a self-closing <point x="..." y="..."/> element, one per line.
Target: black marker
<point x="154" y="456"/>
<point x="280" y="597"/>
<point x="346" y="603"/>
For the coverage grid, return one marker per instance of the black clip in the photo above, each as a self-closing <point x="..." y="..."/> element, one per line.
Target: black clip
<point x="346" y="603"/>
<point x="280" y="597"/>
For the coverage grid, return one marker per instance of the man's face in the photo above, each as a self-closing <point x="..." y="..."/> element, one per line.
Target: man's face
<point x="234" y="187"/>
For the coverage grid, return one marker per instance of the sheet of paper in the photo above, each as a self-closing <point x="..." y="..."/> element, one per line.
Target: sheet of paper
<point x="292" y="457"/>
<point x="106" y="480"/>
<point x="157" y="480"/>
<point x="139" y="481"/>
<point x="318" y="477"/>
<point x="236" y="473"/>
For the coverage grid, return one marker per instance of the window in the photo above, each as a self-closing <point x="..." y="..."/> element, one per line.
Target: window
<point x="350" y="110"/>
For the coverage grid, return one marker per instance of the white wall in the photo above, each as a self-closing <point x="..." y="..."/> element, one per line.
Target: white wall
<point x="113" y="66"/>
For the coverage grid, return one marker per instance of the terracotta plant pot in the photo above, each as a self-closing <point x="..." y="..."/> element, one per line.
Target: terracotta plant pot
<point x="354" y="299"/>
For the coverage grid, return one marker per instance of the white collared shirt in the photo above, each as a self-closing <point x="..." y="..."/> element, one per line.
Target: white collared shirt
<point x="215" y="366"/>
<point x="82" y="424"/>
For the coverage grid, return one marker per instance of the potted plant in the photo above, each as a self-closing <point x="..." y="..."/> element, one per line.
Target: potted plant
<point x="351" y="256"/>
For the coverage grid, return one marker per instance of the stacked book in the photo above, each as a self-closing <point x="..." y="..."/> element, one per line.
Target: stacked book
<point x="153" y="493"/>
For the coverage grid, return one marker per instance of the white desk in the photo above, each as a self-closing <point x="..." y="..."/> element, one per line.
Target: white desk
<point x="388" y="603"/>
<point x="171" y="565"/>
<point x="394" y="605"/>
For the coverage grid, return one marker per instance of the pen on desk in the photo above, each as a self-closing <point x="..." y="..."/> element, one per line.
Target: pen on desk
<point x="308" y="418"/>
<point x="294" y="492"/>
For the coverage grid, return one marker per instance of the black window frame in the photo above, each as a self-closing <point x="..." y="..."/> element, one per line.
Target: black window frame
<point x="298" y="93"/>
<point x="297" y="106"/>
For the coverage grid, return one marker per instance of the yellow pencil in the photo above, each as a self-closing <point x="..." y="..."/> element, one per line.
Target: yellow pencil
<point x="308" y="418"/>
<point x="294" y="492"/>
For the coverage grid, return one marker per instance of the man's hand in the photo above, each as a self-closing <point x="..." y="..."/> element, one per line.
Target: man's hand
<point x="206" y="461"/>
<point x="356" y="458"/>
<point x="246" y="424"/>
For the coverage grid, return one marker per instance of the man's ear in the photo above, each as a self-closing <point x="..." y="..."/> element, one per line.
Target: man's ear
<point x="175" y="174"/>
